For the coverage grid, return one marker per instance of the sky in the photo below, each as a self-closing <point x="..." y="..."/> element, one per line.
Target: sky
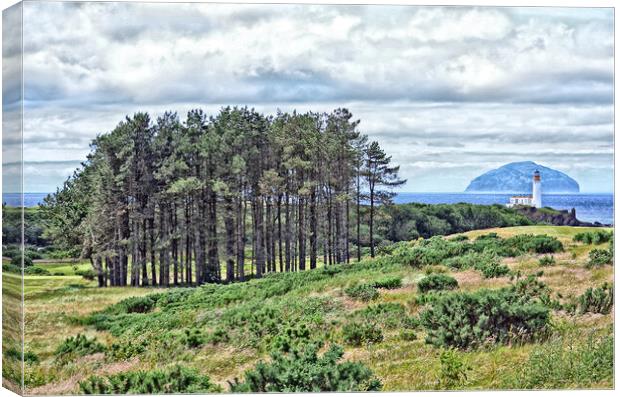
<point x="449" y="92"/>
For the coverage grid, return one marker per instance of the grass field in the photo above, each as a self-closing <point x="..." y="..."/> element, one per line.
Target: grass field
<point x="56" y="304"/>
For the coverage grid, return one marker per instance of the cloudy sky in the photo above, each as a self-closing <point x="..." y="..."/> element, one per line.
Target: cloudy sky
<point x="449" y="92"/>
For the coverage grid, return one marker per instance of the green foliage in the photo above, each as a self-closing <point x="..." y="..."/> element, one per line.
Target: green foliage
<point x="77" y="346"/>
<point x="408" y="335"/>
<point x="568" y="362"/>
<point x="17" y="260"/>
<point x="36" y="271"/>
<point x="481" y="254"/>
<point x="361" y="333"/>
<point x="600" y="257"/>
<point x="388" y="283"/>
<point x="388" y="314"/>
<point x="193" y="337"/>
<point x="87" y="274"/>
<point x="453" y="370"/>
<point x="362" y="292"/>
<point x="7" y="267"/>
<point x="597" y="300"/>
<point x="134" y="304"/>
<point x="29" y="357"/>
<point x="303" y="370"/>
<point x="125" y="350"/>
<point x="467" y="320"/>
<point x="547" y="260"/>
<point x="594" y="237"/>
<point x="538" y="244"/>
<point x="408" y="221"/>
<point x="176" y="379"/>
<point x="437" y="282"/>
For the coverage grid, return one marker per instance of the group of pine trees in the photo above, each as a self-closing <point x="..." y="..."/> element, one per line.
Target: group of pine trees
<point x="209" y="199"/>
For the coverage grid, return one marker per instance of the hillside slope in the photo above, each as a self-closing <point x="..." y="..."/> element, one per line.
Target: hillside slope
<point x="224" y="330"/>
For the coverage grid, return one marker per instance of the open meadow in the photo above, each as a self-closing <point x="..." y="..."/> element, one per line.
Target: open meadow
<point x="383" y="312"/>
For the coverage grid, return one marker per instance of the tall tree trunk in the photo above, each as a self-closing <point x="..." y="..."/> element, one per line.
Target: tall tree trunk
<point x="230" y="240"/>
<point x="287" y="239"/>
<point x="358" y="219"/>
<point x="372" y="224"/>
<point x="313" y="229"/>
<point x="302" y="235"/>
<point x="152" y="249"/>
<point x="260" y="245"/>
<point x="280" y="257"/>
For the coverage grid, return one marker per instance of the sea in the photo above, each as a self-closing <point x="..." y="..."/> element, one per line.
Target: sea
<point x="590" y="207"/>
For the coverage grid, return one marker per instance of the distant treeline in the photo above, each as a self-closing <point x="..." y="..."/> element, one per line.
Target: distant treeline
<point x="410" y="221"/>
<point x="197" y="199"/>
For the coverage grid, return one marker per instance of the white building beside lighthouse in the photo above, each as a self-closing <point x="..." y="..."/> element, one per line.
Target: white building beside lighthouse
<point x="534" y="200"/>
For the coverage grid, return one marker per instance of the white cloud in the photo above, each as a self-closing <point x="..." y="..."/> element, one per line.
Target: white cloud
<point x="438" y="87"/>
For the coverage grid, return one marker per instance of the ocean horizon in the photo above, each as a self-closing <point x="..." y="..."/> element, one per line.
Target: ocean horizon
<point x="589" y="207"/>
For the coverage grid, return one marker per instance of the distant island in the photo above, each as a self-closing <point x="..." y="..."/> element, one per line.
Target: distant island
<point x="517" y="178"/>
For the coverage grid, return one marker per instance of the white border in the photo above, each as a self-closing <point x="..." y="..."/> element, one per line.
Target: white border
<point x="496" y="3"/>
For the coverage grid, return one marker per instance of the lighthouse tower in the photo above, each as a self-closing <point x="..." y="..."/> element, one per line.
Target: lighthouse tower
<point x="536" y="190"/>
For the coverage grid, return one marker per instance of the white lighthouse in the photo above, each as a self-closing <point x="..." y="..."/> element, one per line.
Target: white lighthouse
<point x="535" y="200"/>
<point x="536" y="190"/>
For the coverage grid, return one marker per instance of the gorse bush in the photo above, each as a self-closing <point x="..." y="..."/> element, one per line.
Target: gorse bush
<point x="363" y="292"/>
<point x="492" y="269"/>
<point x="453" y="370"/>
<point x="88" y="274"/>
<point x="470" y="319"/>
<point x="596" y="300"/>
<point x="361" y="333"/>
<point x="547" y="260"/>
<point x="15" y="354"/>
<point x="482" y="254"/>
<point x="36" y="271"/>
<point x="600" y="257"/>
<point x="177" y="379"/>
<point x="595" y="237"/>
<point x="437" y="282"/>
<point x="388" y="283"/>
<point x="303" y="370"/>
<point x="77" y="346"/>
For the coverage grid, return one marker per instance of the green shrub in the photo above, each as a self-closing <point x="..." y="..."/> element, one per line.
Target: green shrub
<point x="361" y="333"/>
<point x="493" y="269"/>
<point x="176" y="379"/>
<point x="9" y="268"/>
<point x="15" y="354"/>
<point x="389" y="314"/>
<point x="470" y="319"/>
<point x="437" y="282"/>
<point x="292" y="337"/>
<point x="77" y="346"/>
<point x="88" y="274"/>
<point x="36" y="271"/>
<point x="538" y="244"/>
<point x="547" y="260"/>
<point x="388" y="283"/>
<point x="17" y="260"/>
<point x="408" y="335"/>
<point x="599" y="257"/>
<point x="125" y="350"/>
<point x="453" y="370"/>
<point x="597" y="300"/>
<point x="363" y="292"/>
<point x="193" y="337"/>
<point x="302" y="370"/>
<point x="135" y="304"/>
<point x="595" y="237"/>
<point x="568" y="362"/>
